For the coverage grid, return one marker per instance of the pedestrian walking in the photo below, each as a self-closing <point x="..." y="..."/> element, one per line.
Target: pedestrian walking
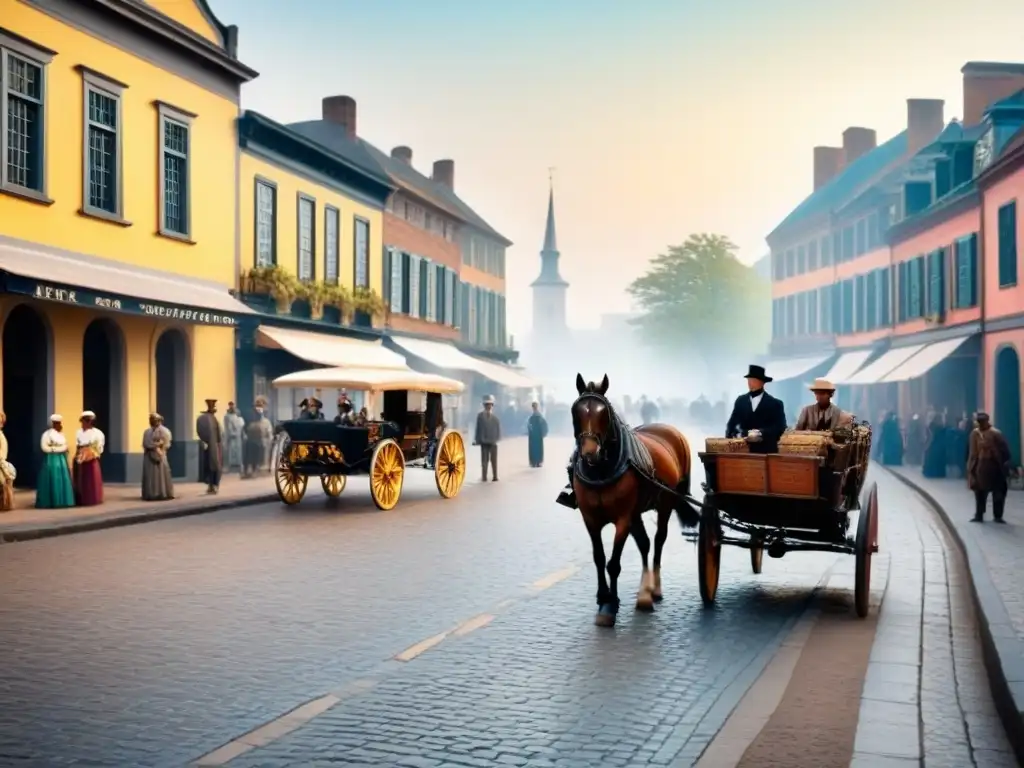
<point x="488" y="435"/>
<point x="234" y="426"/>
<point x="53" y="486"/>
<point x="157" y="484"/>
<point x="987" y="466"/>
<point x="211" y="455"/>
<point x="536" y="430"/>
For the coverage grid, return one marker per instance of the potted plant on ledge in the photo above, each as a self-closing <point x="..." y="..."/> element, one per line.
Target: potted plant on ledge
<point x="369" y="302"/>
<point x="317" y="295"/>
<point x="339" y="297"/>
<point x="280" y="285"/>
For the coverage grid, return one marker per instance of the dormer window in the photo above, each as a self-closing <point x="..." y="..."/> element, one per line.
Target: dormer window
<point x="984" y="151"/>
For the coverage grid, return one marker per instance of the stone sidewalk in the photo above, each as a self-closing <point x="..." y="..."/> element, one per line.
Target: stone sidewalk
<point x="994" y="557"/>
<point x="123" y="504"/>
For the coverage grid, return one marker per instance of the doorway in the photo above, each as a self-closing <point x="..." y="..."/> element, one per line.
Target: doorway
<point x="174" y="393"/>
<point x="1007" y="401"/>
<point x="27" y="389"/>
<point x="103" y="389"/>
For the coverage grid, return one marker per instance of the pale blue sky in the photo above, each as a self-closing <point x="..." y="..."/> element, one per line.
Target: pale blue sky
<point x="662" y="117"/>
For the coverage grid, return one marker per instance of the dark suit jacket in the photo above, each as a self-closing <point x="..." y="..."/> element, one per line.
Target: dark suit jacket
<point x="769" y="418"/>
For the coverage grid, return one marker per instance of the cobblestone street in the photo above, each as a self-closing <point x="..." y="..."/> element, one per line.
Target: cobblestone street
<point x="455" y="633"/>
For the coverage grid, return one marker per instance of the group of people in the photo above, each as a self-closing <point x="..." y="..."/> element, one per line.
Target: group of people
<point x="487" y="435"/>
<point x="240" y="445"/>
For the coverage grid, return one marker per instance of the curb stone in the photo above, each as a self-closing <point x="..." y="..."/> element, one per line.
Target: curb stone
<point x="1002" y="649"/>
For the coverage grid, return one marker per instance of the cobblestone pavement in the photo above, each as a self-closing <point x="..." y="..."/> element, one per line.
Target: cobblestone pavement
<point x="153" y="645"/>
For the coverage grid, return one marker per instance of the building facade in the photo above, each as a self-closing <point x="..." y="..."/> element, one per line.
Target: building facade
<point x="115" y="281"/>
<point x="903" y="298"/>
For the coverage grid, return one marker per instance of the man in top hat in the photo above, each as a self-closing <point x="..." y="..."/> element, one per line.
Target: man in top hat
<point x="757" y="416"/>
<point x="488" y="434"/>
<point x="823" y="415"/>
<point x="211" y="452"/>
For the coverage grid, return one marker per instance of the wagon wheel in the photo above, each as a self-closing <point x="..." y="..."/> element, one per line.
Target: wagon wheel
<point x="709" y="556"/>
<point x="291" y="485"/>
<point x="333" y="485"/>
<point x="387" y="470"/>
<point x="865" y="545"/>
<point x="756" y="557"/>
<point x="450" y="464"/>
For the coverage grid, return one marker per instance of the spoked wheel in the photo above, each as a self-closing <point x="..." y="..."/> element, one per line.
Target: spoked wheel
<point x="450" y="464"/>
<point x="387" y="471"/>
<point x="865" y="545"/>
<point x="756" y="558"/>
<point x="291" y="486"/>
<point x="333" y="485"/>
<point x="709" y="556"/>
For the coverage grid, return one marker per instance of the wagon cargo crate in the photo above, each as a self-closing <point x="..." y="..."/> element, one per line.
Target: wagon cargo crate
<point x="805" y="443"/>
<point x="726" y="445"/>
<point x="793" y="476"/>
<point x="739" y="473"/>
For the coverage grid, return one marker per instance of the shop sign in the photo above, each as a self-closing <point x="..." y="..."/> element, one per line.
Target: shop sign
<point x="83" y="298"/>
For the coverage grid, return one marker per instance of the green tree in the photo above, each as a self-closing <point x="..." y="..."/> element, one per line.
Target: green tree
<point x="698" y="298"/>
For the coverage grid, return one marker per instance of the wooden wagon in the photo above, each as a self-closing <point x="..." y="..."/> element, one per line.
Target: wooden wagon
<point x="382" y="448"/>
<point x="802" y="498"/>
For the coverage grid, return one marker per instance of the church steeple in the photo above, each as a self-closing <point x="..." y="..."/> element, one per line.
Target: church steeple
<point x="549" y="252"/>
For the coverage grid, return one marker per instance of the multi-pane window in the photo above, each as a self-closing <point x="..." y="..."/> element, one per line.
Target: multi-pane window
<point x="1008" y="245"/>
<point x="331" y="244"/>
<point x="425" y="288"/>
<point x="937" y="282"/>
<point x="397" y="284"/>
<point x="174" y="174"/>
<point x="103" y="169"/>
<point x="266" y="224"/>
<point x="362" y="253"/>
<point x="307" y="244"/>
<point x="22" y="94"/>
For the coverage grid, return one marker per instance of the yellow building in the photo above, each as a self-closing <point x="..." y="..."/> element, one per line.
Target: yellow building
<point x="314" y="212"/>
<point x="119" y="220"/>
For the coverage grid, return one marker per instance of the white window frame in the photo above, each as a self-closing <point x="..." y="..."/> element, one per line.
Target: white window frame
<point x="39" y="57"/>
<point x="260" y="259"/>
<point x="305" y="202"/>
<point x="396" y="279"/>
<point x="414" y="285"/>
<point x="332" y="246"/>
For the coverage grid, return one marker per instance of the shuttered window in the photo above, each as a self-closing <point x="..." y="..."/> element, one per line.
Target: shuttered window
<point x="397" y="283"/>
<point x="937" y="282"/>
<point x="903" y="292"/>
<point x="915" y="286"/>
<point x="415" y="293"/>
<point x="884" y="303"/>
<point x="1008" y="245"/>
<point x="966" y="249"/>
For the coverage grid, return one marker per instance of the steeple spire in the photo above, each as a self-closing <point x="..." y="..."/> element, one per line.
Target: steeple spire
<point x="550" y="240"/>
<point x="549" y="253"/>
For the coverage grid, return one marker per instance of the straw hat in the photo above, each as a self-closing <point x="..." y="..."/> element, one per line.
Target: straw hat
<point x="822" y="385"/>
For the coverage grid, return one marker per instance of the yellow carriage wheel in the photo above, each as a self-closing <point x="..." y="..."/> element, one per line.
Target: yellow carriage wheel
<point x="291" y="486"/>
<point x="333" y="485"/>
<point x="387" y="471"/>
<point x="450" y="465"/>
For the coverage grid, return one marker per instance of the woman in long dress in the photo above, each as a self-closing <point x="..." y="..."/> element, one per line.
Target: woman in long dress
<point x="537" y="430"/>
<point x="7" y="471"/>
<point x="89" y="445"/>
<point x="156" y="472"/>
<point x="53" y="488"/>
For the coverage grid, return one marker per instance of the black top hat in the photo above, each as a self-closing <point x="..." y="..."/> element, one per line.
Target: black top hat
<point x="757" y="372"/>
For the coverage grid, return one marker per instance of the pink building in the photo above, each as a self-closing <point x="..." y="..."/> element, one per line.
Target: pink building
<point x="918" y="305"/>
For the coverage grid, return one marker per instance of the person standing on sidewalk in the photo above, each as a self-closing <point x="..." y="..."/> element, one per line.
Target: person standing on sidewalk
<point x="987" y="464"/>
<point x="53" y="486"/>
<point x="211" y="455"/>
<point x="7" y="471"/>
<point x="157" y="484"/>
<point x="488" y="434"/>
<point x="234" y="426"/>
<point x="89" y="445"/>
<point x="537" y="429"/>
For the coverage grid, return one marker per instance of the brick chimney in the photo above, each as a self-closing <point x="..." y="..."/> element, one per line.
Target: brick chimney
<point x="828" y="162"/>
<point x="986" y="82"/>
<point x="402" y="153"/>
<point x="444" y="173"/>
<point x="341" y="110"/>
<point x="925" y="121"/>
<point x="858" y="142"/>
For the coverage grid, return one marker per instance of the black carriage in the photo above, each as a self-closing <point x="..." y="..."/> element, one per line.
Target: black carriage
<point x="382" y="448"/>
<point x="803" y="498"/>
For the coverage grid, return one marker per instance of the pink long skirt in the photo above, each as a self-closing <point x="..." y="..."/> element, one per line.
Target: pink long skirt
<point x="88" y="484"/>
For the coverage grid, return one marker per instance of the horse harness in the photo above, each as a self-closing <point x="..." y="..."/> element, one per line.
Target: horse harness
<point x="627" y="451"/>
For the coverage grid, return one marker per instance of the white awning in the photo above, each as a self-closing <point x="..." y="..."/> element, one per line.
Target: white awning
<point x="369" y="380"/>
<point x="65" y="277"/>
<point x="873" y="372"/>
<point x="784" y="368"/>
<point x="325" y="349"/>
<point x="847" y="364"/>
<point x="925" y="360"/>
<point x="450" y="358"/>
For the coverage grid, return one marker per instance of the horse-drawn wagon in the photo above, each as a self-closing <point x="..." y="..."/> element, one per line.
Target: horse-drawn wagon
<point x="799" y="499"/>
<point x="403" y="436"/>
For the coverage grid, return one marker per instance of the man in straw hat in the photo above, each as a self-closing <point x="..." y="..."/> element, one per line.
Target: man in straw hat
<point x="757" y="416"/>
<point x="823" y="414"/>
<point x="487" y="436"/>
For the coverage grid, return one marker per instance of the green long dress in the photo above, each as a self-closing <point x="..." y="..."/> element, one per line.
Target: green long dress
<point x="53" y="488"/>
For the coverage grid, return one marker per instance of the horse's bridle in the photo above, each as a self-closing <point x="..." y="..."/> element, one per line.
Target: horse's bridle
<point x="582" y="435"/>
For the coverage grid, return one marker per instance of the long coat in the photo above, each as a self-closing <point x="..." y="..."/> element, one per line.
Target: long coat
<point x="211" y="458"/>
<point x="987" y="460"/>
<point x="537" y="430"/>
<point x="769" y="418"/>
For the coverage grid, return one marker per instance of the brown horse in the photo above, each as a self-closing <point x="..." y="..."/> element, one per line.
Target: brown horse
<point x="615" y="482"/>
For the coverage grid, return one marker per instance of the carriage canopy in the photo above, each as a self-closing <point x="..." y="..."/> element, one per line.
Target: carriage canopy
<point x="371" y="380"/>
